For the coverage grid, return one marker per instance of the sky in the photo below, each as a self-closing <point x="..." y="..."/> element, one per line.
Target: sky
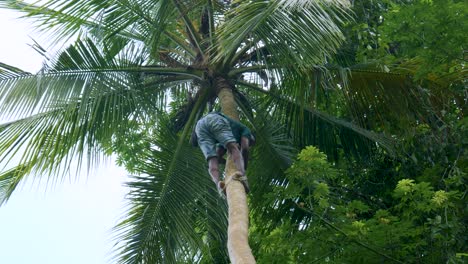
<point x="67" y="223"/>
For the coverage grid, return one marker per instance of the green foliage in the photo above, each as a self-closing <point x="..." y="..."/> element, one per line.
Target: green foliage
<point x="340" y="224"/>
<point x="431" y="31"/>
<point x="308" y="175"/>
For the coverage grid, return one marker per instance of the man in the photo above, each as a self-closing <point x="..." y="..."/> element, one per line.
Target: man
<point x="215" y="133"/>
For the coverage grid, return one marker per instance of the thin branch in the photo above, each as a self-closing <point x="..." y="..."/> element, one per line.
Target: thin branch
<point x="332" y="226"/>
<point x="325" y="256"/>
<point x="255" y="68"/>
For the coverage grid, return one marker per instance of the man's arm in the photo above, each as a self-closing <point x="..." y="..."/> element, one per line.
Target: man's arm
<point x="246" y="141"/>
<point x="220" y="151"/>
<point x="245" y="145"/>
<point x="246" y="138"/>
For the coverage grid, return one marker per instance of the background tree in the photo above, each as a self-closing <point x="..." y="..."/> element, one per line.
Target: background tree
<point x="383" y="209"/>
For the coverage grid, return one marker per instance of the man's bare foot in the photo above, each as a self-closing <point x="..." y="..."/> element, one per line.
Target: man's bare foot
<point x="221" y="189"/>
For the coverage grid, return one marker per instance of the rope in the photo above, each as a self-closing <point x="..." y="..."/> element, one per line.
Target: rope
<point x="237" y="176"/>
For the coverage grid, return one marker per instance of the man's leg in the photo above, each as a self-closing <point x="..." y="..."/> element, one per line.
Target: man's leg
<point x="213" y="169"/>
<point x="233" y="149"/>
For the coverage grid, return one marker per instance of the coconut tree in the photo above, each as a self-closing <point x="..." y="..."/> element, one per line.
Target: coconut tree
<point x="135" y="61"/>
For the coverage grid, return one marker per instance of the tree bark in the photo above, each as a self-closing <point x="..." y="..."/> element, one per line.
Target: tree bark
<point x="238" y="221"/>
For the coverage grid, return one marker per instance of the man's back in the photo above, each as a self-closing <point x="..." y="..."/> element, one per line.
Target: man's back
<point x="238" y="129"/>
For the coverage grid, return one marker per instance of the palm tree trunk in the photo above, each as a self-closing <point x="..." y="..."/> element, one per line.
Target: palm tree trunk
<point x="238" y="244"/>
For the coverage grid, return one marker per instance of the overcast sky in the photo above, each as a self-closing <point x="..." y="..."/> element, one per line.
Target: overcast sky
<point x="68" y="223"/>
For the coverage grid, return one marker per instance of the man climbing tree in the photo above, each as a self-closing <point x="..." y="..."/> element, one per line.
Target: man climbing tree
<point x="134" y="58"/>
<point x="215" y="133"/>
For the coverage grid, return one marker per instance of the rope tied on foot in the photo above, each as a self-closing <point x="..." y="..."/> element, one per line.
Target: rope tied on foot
<point x="237" y="176"/>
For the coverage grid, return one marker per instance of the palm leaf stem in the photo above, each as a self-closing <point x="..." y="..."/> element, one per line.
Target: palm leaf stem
<point x="193" y="35"/>
<point x="181" y="42"/>
<point x="144" y="69"/>
<point x="238" y="71"/>
<point x="175" y="71"/>
<point x="235" y="57"/>
<point x="171" y="79"/>
<point x="235" y="40"/>
<point x="211" y="22"/>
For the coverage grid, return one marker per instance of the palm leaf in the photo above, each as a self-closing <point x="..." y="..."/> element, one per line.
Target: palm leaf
<point x="9" y="180"/>
<point x="110" y="22"/>
<point x="300" y="34"/>
<point x="9" y="71"/>
<point x="67" y="18"/>
<point x="168" y="201"/>
<point x="309" y="126"/>
<point x="392" y="101"/>
<point x="75" y="106"/>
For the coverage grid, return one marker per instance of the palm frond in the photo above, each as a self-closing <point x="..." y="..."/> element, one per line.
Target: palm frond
<point x="75" y="106"/>
<point x="168" y="201"/>
<point x="309" y="126"/>
<point x="439" y="88"/>
<point x="9" y="180"/>
<point x="84" y="70"/>
<point x="7" y="71"/>
<point x="192" y="34"/>
<point x="372" y="102"/>
<point x="393" y="101"/>
<point x="110" y="22"/>
<point x="67" y="18"/>
<point x="302" y="34"/>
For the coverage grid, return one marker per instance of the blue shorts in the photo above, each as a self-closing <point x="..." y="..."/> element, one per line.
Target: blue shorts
<point x="213" y="129"/>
